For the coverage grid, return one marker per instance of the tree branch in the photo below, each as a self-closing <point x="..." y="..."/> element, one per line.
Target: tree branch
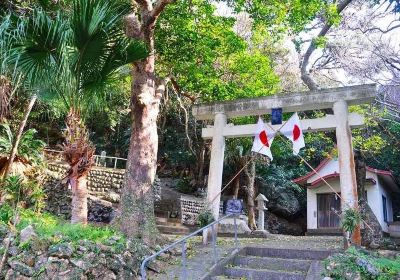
<point x="305" y="75"/>
<point x="159" y="6"/>
<point x="145" y="5"/>
<point x="178" y="90"/>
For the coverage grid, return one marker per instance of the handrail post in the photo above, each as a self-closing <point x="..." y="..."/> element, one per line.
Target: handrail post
<point x="143" y="270"/>
<point x="115" y="165"/>
<point x="184" y="272"/>
<point x="214" y="241"/>
<point x="183" y="241"/>
<point x="235" y="225"/>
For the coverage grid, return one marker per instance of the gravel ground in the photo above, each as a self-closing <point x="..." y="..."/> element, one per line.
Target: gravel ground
<point x="201" y="258"/>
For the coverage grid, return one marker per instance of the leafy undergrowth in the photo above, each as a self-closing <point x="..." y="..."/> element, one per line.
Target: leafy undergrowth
<point x="363" y="264"/>
<point x="48" y="226"/>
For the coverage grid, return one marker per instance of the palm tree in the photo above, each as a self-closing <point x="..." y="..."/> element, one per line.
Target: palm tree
<point x="70" y="58"/>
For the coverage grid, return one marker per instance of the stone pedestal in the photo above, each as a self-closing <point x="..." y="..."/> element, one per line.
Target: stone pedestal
<point x="261" y="199"/>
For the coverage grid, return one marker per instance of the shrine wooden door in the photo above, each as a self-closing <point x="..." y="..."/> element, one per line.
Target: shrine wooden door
<point x="327" y="205"/>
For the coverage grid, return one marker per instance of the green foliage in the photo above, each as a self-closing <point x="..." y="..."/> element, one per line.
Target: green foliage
<point x="29" y="148"/>
<point x="16" y="192"/>
<point x="50" y="227"/>
<point x="280" y="16"/>
<point x="214" y="62"/>
<point x="6" y="213"/>
<point x="205" y="218"/>
<point x="366" y="265"/>
<point x="332" y="15"/>
<point x="184" y="186"/>
<point x="378" y="140"/>
<point x="351" y="218"/>
<point x="72" y="56"/>
<point x="320" y="42"/>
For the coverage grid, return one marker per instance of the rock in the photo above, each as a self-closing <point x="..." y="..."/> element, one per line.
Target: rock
<point x="365" y="264"/>
<point x="227" y="226"/>
<point x="105" y="248"/>
<point x="14" y="251"/>
<point x="115" y="263"/>
<point x="372" y="234"/>
<point x="374" y="245"/>
<point x="55" y="266"/>
<point x="14" y="275"/>
<point x="100" y="211"/>
<point x="3" y="231"/>
<point x="103" y="274"/>
<point x="72" y="273"/>
<point x="156" y="266"/>
<point x="63" y="251"/>
<point x="81" y="264"/>
<point x="388" y="254"/>
<point x="279" y="225"/>
<point x="282" y="200"/>
<point x="21" y="268"/>
<point x="27" y="234"/>
<point x="27" y="258"/>
<point x="40" y="262"/>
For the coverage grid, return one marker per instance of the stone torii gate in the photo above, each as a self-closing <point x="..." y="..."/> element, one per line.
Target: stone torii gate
<point x="342" y="121"/>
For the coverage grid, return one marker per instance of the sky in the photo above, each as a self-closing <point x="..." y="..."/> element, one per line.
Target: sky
<point x="392" y="38"/>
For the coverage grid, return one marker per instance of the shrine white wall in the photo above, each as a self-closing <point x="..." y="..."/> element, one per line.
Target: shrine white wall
<point x="374" y="197"/>
<point x="312" y="220"/>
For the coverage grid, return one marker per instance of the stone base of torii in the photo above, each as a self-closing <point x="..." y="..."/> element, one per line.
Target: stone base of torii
<point x="337" y="99"/>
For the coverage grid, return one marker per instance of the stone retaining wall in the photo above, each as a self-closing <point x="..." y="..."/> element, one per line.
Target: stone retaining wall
<point x="104" y="183"/>
<point x="190" y="209"/>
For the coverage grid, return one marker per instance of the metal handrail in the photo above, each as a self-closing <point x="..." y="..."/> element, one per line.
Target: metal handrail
<point x="183" y="241"/>
<point x="97" y="158"/>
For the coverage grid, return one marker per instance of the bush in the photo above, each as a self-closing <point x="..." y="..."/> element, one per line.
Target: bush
<point x="6" y="213"/>
<point x="49" y="226"/>
<point x="184" y="186"/>
<point x="204" y="218"/>
<point x="55" y="229"/>
<point x="361" y="264"/>
<point x="16" y="191"/>
<point x="351" y="219"/>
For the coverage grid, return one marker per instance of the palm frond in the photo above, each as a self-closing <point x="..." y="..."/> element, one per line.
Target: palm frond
<point x="6" y="138"/>
<point x="39" y="52"/>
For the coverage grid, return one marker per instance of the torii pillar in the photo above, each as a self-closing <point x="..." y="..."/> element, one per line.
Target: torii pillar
<point x="216" y="164"/>
<point x="348" y="182"/>
<point x="341" y="121"/>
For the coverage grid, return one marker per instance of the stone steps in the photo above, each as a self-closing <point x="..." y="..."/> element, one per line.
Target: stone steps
<point x="262" y="274"/>
<point x="288" y="253"/>
<point x="172" y="226"/>
<point x="272" y="263"/>
<point x="166" y="229"/>
<point x="260" y="263"/>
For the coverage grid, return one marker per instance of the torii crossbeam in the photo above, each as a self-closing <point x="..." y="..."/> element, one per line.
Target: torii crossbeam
<point x="336" y="98"/>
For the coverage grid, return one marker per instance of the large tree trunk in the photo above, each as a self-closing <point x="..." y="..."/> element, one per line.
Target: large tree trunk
<point x="137" y="203"/>
<point x="18" y="136"/>
<point x="372" y="231"/>
<point x="250" y="172"/>
<point x="236" y="187"/>
<point x="78" y="152"/>
<point x="79" y="209"/>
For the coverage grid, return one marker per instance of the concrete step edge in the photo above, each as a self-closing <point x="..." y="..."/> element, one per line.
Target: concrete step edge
<point x="272" y="263"/>
<point x="295" y="272"/>
<point x="302" y="254"/>
<point x="263" y="274"/>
